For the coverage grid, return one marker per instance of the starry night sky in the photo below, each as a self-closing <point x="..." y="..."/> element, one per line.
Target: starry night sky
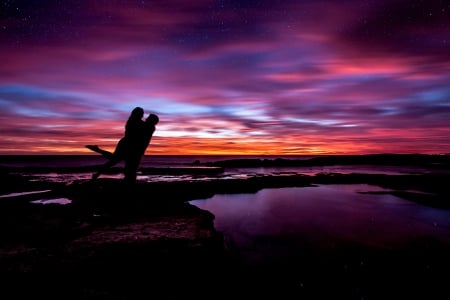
<point x="227" y="77"/>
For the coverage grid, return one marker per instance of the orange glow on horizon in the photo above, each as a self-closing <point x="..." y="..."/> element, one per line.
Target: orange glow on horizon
<point x="191" y="146"/>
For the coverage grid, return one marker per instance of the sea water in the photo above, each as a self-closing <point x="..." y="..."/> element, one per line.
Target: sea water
<point x="70" y="168"/>
<point x="285" y="222"/>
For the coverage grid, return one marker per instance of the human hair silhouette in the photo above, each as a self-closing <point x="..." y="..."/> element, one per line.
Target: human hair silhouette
<point x="134" y="121"/>
<point x="131" y="147"/>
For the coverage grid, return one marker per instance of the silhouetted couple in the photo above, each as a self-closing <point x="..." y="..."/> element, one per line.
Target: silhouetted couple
<point x="130" y="148"/>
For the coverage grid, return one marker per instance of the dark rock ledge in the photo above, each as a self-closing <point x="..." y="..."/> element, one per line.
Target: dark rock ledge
<point x="125" y="244"/>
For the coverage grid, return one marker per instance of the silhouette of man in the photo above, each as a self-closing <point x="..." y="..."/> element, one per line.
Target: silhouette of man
<point x="137" y="150"/>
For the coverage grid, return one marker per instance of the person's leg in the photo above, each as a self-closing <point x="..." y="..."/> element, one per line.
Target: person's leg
<point x="102" y="169"/>
<point x="95" y="148"/>
<point x="114" y="158"/>
<point x="112" y="162"/>
<point x="132" y="163"/>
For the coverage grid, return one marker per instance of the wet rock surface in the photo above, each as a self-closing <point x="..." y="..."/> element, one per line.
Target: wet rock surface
<point x="126" y="243"/>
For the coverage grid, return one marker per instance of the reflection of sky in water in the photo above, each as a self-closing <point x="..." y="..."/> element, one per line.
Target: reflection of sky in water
<point x="71" y="177"/>
<point x="61" y="201"/>
<point x="234" y="173"/>
<point x="290" y="219"/>
<point x="23" y="194"/>
<point x="314" y="170"/>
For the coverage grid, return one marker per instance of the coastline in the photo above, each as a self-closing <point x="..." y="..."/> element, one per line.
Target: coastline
<point x="117" y="233"/>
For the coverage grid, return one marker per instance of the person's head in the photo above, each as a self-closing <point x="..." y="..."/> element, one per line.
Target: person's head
<point x="137" y="113"/>
<point x="152" y="119"/>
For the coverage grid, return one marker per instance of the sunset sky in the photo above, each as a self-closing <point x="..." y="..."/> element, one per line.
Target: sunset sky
<point x="227" y="77"/>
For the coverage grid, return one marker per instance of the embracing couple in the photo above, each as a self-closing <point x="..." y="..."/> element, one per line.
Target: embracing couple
<point x="130" y="148"/>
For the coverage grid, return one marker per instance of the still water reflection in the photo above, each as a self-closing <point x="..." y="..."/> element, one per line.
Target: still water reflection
<point x="280" y="222"/>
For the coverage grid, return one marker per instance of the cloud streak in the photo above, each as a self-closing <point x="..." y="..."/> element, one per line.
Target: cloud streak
<point x="227" y="77"/>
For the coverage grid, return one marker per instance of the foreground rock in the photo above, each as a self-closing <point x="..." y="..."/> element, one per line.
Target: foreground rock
<point x="116" y="237"/>
<point x="149" y="240"/>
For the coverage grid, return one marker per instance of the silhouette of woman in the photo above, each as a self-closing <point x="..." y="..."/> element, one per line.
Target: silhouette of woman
<point x="133" y="129"/>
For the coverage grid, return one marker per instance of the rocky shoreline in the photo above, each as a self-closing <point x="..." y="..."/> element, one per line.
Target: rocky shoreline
<point x="117" y="234"/>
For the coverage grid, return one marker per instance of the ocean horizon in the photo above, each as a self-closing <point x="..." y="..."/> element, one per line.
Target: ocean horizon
<point x="69" y="168"/>
<point x="156" y="168"/>
<point x="158" y="159"/>
<point x="161" y="160"/>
